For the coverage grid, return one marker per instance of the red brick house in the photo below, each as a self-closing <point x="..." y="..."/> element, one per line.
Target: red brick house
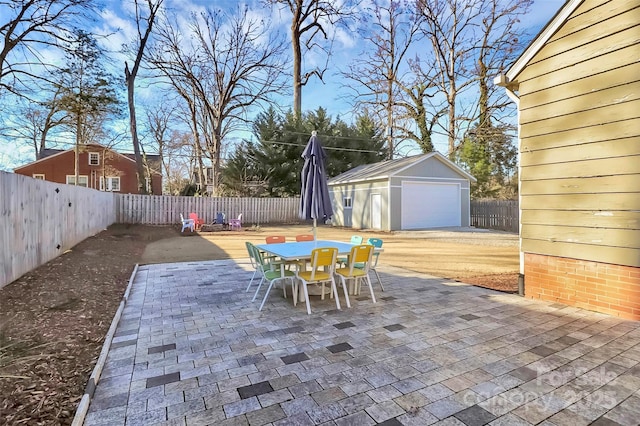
<point x="99" y="167"/>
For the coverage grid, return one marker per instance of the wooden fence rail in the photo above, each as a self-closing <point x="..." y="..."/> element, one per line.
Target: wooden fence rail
<point x="39" y="220"/>
<point x="166" y="209"/>
<point x="495" y="214"/>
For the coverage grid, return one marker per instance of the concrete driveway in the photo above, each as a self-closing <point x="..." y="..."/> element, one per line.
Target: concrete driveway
<point x="192" y="349"/>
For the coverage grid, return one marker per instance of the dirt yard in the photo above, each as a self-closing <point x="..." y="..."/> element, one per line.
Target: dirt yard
<point x="53" y="320"/>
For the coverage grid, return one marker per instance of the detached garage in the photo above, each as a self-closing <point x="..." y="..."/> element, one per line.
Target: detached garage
<point x="419" y="192"/>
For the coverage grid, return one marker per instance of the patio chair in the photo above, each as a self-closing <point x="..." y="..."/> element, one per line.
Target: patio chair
<point x="304" y="237"/>
<point x="355" y="239"/>
<point x="376" y="242"/>
<point x="324" y="258"/>
<point x="187" y="223"/>
<point x="357" y="269"/>
<point x="254" y="264"/>
<point x="236" y="224"/>
<point x="274" y="239"/>
<point x="196" y="220"/>
<point x="271" y="273"/>
<point x="220" y="219"/>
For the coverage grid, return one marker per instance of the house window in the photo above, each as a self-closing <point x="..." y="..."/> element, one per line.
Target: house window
<point x="110" y="183"/>
<point x="94" y="158"/>
<point x="82" y="180"/>
<point x="347" y="203"/>
<point x="38" y="176"/>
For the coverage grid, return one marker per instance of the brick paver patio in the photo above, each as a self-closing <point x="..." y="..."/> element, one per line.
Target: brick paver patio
<point x="192" y="349"/>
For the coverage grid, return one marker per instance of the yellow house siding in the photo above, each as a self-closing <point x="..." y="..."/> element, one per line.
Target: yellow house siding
<point x="580" y="137"/>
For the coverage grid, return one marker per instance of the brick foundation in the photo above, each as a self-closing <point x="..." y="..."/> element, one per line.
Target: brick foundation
<point x="601" y="287"/>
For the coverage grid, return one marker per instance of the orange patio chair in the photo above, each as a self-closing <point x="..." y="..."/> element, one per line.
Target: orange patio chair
<point x="196" y="220"/>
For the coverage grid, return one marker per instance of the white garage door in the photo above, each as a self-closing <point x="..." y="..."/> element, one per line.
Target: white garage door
<point x="430" y="205"/>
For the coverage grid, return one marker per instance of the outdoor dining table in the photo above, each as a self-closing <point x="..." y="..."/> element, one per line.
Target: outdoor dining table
<point x="301" y="250"/>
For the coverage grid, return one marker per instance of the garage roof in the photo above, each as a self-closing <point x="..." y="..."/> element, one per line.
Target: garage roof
<point x="389" y="168"/>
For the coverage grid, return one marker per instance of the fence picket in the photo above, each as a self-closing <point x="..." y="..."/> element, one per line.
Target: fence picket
<point x="495" y="214"/>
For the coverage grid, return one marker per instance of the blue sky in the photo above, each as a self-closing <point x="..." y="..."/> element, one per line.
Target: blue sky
<point x="113" y="20"/>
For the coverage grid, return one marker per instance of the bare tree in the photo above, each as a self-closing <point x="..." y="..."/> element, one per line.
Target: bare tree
<point x="383" y="82"/>
<point x="27" y="28"/>
<point x="450" y="25"/>
<point x="232" y="64"/>
<point x="471" y="39"/>
<point x="173" y="146"/>
<point x="309" y="20"/>
<point x="130" y="78"/>
<point x="499" y="45"/>
<point x="33" y="121"/>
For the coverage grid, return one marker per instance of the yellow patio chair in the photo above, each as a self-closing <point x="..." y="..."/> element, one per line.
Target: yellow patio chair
<point x="376" y="242"/>
<point x="358" y="268"/>
<point x="323" y="262"/>
<point x="355" y="239"/>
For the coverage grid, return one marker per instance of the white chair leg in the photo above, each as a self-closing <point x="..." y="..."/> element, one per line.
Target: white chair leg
<point x="334" y="291"/>
<point x="251" y="282"/>
<point x="373" y="297"/>
<point x="306" y="297"/>
<point x="257" y="290"/>
<point x="294" y="289"/>
<point x="264" y="299"/>
<point x="379" y="280"/>
<point x="344" y="289"/>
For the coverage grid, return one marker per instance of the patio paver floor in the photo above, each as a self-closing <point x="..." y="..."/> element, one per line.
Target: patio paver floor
<point x="191" y="348"/>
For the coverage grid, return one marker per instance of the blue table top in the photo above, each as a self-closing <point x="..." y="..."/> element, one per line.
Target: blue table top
<point x="302" y="249"/>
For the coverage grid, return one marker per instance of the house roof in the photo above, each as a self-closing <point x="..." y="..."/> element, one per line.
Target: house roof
<point x="541" y="39"/>
<point x="153" y="159"/>
<point x="389" y="168"/>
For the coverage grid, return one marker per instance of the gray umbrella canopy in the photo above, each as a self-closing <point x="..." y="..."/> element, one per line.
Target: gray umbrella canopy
<point x="314" y="195"/>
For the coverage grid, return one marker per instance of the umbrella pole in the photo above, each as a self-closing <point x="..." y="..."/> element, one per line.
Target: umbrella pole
<point x="314" y="230"/>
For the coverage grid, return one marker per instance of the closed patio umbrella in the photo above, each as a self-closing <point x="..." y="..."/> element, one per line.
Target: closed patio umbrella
<point x="314" y="195"/>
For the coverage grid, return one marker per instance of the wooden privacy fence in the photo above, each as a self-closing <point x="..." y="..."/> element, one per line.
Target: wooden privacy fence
<point x="166" y="209"/>
<point x="495" y="214"/>
<point x="39" y="220"/>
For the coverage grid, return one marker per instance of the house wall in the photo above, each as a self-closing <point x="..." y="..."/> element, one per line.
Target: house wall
<point x="580" y="160"/>
<point x="360" y="193"/>
<point x="57" y="167"/>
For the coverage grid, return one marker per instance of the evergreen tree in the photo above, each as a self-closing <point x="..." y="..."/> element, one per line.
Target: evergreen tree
<point x="488" y="154"/>
<point x="276" y="159"/>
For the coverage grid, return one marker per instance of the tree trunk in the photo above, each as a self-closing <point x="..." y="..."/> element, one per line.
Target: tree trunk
<point x="130" y="79"/>
<point x="297" y="71"/>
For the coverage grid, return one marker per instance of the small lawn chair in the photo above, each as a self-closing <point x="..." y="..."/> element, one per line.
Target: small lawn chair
<point x="187" y="224"/>
<point x="236" y="224"/>
<point x="196" y="220"/>
<point x="357" y="269"/>
<point x="220" y="219"/>
<point x="304" y="237"/>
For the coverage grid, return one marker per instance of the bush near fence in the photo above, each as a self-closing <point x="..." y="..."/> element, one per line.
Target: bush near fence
<point x="502" y="215"/>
